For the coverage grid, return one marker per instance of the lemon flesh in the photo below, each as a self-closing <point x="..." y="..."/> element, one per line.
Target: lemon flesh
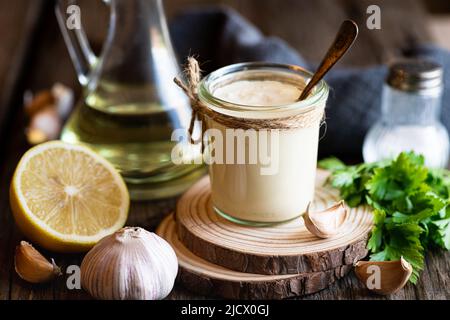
<point x="66" y="197"/>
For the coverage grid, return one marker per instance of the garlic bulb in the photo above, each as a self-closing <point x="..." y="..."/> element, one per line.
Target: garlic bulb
<point x="326" y="224"/>
<point x="384" y="277"/>
<point x="32" y="266"/>
<point x="131" y="264"/>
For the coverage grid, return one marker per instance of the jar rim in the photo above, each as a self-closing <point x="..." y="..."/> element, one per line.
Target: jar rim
<point x="319" y="93"/>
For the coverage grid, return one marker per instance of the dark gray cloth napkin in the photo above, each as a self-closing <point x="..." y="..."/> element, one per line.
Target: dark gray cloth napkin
<point x="220" y="36"/>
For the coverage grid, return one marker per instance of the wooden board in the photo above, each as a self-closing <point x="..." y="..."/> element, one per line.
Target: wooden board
<point x="283" y="249"/>
<point x="206" y="278"/>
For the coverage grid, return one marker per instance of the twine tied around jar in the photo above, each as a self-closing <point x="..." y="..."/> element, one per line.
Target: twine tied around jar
<point x="200" y="111"/>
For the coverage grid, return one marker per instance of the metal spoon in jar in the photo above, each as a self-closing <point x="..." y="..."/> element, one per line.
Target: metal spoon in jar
<point x="344" y="39"/>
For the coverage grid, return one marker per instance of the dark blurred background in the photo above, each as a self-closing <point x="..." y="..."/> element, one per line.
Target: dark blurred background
<point x="33" y="55"/>
<point x="308" y="26"/>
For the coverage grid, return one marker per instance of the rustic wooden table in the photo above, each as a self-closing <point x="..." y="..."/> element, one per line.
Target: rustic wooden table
<point x="33" y="56"/>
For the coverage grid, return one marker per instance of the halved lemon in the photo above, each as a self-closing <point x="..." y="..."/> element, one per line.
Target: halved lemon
<point x="66" y="197"/>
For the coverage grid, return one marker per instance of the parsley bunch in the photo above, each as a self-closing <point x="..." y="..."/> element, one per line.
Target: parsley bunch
<point x="410" y="202"/>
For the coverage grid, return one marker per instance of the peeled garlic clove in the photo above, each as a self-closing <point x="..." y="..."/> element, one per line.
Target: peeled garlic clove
<point x="384" y="277"/>
<point x="31" y="266"/>
<point x="131" y="264"/>
<point x="64" y="99"/>
<point x="326" y="224"/>
<point x="44" y="126"/>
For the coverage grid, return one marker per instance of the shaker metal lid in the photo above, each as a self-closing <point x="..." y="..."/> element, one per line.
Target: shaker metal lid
<point x="415" y="75"/>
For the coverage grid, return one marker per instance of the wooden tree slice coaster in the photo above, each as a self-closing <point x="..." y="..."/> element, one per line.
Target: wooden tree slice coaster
<point x="205" y="278"/>
<point x="287" y="248"/>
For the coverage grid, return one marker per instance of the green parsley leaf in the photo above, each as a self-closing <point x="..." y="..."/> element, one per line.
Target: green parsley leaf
<point x="410" y="202"/>
<point x="376" y="238"/>
<point x="332" y="164"/>
<point x="402" y="240"/>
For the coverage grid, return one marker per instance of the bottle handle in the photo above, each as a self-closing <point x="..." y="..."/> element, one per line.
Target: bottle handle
<point x="75" y="38"/>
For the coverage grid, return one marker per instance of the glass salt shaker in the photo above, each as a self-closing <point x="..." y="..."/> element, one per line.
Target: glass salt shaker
<point x="411" y="107"/>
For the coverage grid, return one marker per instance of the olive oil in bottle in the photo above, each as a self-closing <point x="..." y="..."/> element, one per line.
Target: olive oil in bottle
<point x="138" y="144"/>
<point x="130" y="106"/>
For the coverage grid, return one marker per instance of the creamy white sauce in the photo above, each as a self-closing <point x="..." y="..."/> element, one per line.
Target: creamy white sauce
<point x="265" y="93"/>
<point x="240" y="190"/>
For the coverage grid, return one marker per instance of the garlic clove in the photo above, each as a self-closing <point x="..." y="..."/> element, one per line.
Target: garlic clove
<point x="327" y="223"/>
<point x="35" y="136"/>
<point x="32" y="266"/>
<point x="45" y="125"/>
<point x="34" y="104"/>
<point x="131" y="264"/>
<point x="64" y="99"/>
<point x="384" y="277"/>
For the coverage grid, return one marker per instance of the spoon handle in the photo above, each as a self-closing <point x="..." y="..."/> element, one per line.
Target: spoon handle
<point x="344" y="39"/>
